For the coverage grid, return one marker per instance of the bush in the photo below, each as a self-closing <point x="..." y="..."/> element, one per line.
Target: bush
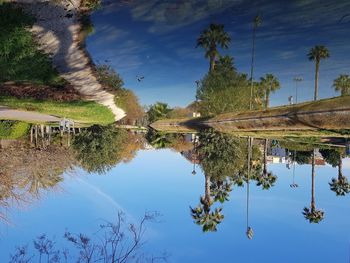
<point x="128" y="101"/>
<point x="99" y="148"/>
<point x="226" y="90"/>
<point x="109" y="78"/>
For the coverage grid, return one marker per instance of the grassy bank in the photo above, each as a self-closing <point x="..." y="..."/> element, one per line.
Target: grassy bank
<point x="20" y="60"/>
<point x="324" y="117"/>
<point x="13" y="129"/>
<point x="320" y="105"/>
<point x="88" y="112"/>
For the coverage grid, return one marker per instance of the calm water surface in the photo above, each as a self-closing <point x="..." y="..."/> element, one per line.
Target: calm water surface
<point x="163" y="180"/>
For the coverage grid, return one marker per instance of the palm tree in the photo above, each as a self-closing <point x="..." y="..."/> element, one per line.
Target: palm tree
<point x="202" y="214"/>
<point x="267" y="179"/>
<point x="316" y="54"/>
<point x="341" y="185"/>
<point x="256" y="23"/>
<point x="269" y="83"/>
<point x="342" y="84"/>
<point x="249" y="231"/>
<point x="158" y="111"/>
<point x="312" y="214"/>
<point x="210" y="38"/>
<point x="220" y="190"/>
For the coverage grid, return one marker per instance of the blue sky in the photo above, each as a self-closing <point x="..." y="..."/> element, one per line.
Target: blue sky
<point x="157" y="38"/>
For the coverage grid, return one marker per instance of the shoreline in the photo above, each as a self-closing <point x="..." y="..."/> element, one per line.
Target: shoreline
<point x="58" y="31"/>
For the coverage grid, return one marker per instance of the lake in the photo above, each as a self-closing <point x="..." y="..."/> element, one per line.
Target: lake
<point x="241" y="216"/>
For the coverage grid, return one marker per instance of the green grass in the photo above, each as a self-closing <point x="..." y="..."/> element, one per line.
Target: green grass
<point x="20" y="60"/>
<point x="324" y="104"/>
<point x="87" y="112"/>
<point x="13" y="129"/>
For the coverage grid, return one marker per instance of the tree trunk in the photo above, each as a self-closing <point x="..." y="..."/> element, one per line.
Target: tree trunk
<point x="207" y="192"/>
<point x="267" y="99"/>
<point x="316" y="79"/>
<point x="313" y="205"/>
<point x="340" y="168"/>
<point x="265" y="158"/>
<point x="31" y="134"/>
<point x="212" y="63"/>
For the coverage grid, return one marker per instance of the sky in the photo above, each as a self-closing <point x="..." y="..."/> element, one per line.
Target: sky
<point x="157" y="39"/>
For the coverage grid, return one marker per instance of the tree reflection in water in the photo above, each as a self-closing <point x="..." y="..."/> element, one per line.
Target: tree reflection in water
<point x="226" y="161"/>
<point x="222" y="159"/>
<point x="25" y="171"/>
<point x="119" y="241"/>
<point x="28" y="169"/>
<point x="339" y="185"/>
<point x="312" y="214"/>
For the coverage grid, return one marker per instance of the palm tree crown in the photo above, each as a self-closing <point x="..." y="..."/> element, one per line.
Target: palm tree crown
<point x="316" y="54"/>
<point x="342" y="84"/>
<point x="210" y="38"/>
<point x="269" y="84"/>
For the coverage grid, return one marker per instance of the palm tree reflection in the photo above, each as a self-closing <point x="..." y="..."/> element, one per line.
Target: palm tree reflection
<point x="267" y="179"/>
<point x="249" y="231"/>
<point x="312" y="214"/>
<point x="340" y="185"/>
<point x="203" y="215"/>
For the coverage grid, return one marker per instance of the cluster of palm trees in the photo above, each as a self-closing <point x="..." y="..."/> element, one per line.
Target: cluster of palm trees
<point x="218" y="189"/>
<point x="340" y="84"/>
<point x="213" y="37"/>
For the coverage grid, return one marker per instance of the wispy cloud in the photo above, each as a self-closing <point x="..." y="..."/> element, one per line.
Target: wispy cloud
<point x="166" y="16"/>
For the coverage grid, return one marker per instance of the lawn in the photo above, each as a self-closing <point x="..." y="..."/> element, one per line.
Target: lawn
<point x="87" y="112"/>
<point x="20" y="60"/>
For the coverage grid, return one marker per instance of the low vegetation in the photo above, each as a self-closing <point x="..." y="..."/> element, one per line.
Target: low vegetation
<point x="124" y="98"/>
<point x="13" y="129"/>
<point x="225" y="90"/>
<point x="100" y="148"/>
<point x="88" y="112"/>
<point x="20" y="60"/>
<point x="90" y="4"/>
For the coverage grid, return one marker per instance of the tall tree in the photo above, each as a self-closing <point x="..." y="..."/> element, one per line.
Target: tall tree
<point x="312" y="214"/>
<point x="269" y="83"/>
<point x="266" y="179"/>
<point x="256" y="23"/>
<point x="203" y="215"/>
<point x="210" y="38"/>
<point x="316" y="54"/>
<point x="342" y="84"/>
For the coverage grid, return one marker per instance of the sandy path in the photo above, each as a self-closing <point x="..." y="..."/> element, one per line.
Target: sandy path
<point x="10" y="114"/>
<point x="58" y="36"/>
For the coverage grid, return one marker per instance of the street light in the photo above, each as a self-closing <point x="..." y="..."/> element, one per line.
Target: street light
<point x="297" y="80"/>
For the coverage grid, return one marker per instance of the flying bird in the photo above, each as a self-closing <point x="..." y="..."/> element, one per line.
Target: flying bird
<point x="139" y="78"/>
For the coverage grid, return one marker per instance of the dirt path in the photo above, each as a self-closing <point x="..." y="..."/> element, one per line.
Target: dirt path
<point x="28" y="116"/>
<point x="58" y="35"/>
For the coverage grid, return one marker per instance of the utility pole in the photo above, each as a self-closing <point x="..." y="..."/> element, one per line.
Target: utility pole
<point x="297" y="80"/>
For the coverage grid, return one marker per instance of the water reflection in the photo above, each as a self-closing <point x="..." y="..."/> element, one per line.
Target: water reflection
<point x="32" y="167"/>
<point x="36" y="164"/>
<point x="228" y="161"/>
